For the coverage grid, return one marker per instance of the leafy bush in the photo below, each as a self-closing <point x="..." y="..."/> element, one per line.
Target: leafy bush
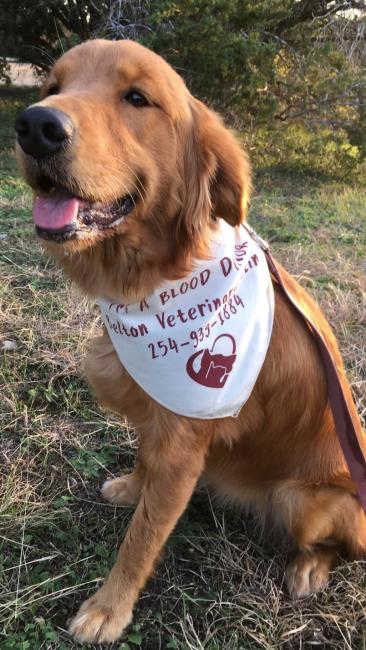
<point x="320" y="152"/>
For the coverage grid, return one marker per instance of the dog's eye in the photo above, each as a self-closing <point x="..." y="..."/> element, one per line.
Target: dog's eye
<point x="53" y="90"/>
<point x="135" y="98"/>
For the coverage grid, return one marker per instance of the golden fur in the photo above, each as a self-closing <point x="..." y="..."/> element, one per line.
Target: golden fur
<point x="281" y="453"/>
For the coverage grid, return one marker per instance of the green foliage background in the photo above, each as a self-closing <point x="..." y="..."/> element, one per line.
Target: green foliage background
<point x="290" y="75"/>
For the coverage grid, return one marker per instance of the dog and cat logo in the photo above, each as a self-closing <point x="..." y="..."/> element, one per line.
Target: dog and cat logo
<point x="211" y="368"/>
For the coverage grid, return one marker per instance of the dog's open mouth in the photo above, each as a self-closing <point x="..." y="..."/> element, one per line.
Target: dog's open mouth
<point x="60" y="215"/>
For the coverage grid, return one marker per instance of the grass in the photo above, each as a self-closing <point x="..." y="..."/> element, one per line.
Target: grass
<point x="218" y="587"/>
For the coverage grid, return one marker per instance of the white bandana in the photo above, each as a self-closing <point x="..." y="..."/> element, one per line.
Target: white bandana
<point x="197" y="345"/>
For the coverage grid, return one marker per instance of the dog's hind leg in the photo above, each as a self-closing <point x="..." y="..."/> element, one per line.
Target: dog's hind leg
<point x="309" y="571"/>
<point x="325" y="522"/>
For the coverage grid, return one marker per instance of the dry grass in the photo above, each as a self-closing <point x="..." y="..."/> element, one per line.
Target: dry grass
<point x="219" y="585"/>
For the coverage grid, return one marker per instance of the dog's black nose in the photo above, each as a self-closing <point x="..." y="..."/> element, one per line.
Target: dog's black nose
<point x="43" y="131"/>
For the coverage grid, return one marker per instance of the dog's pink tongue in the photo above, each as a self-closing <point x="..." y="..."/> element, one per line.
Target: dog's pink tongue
<point x="55" y="211"/>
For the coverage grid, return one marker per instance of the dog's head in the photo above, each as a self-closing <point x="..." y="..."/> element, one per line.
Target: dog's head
<point x="123" y="159"/>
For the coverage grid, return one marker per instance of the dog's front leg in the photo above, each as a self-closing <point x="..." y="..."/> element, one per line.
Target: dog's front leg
<point x="125" y="490"/>
<point x="173" y="467"/>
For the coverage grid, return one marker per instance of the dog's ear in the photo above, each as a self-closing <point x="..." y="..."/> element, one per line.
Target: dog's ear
<point x="217" y="172"/>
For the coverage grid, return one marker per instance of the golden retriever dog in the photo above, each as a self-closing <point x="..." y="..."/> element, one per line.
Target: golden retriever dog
<point x="131" y="175"/>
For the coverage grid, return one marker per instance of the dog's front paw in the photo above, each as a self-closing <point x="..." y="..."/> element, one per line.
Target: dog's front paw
<point x="124" y="490"/>
<point x="99" y="620"/>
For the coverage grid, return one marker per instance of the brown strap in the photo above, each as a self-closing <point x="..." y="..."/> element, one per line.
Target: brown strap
<point x="345" y="428"/>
